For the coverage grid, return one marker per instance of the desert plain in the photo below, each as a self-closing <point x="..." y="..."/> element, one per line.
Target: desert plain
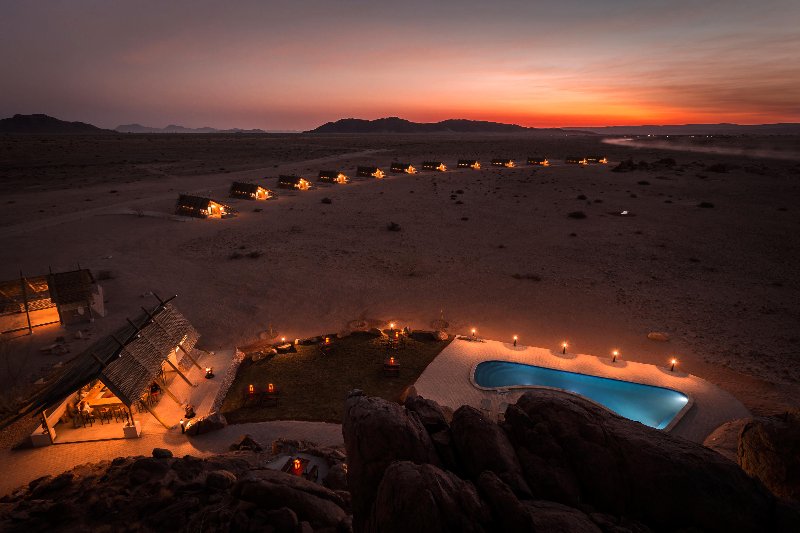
<point x="493" y="249"/>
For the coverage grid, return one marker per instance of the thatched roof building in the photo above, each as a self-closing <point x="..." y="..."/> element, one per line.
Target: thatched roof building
<point x="403" y="167"/>
<point x="249" y="191"/>
<point x="201" y="207"/>
<point x="332" y="176"/>
<point x="61" y="297"/>
<point x="369" y="172"/>
<point x="469" y="163"/>
<point x="597" y="159"/>
<point x="293" y="182"/>
<point x="127" y="362"/>
<point x="434" y="165"/>
<point x="502" y="163"/>
<point x="540" y="161"/>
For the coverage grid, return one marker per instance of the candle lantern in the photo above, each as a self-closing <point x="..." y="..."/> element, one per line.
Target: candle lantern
<point x="327" y="340"/>
<point x="614" y="356"/>
<point x="672" y="365"/>
<point x="564" y="347"/>
<point x="183" y="428"/>
<point x="391" y="360"/>
<point x="474" y="331"/>
<point x="270" y="388"/>
<point x="251" y="389"/>
<point x="515" y="340"/>
<point x="209" y="372"/>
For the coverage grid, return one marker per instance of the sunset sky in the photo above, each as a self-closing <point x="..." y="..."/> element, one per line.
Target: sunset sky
<point x="295" y="65"/>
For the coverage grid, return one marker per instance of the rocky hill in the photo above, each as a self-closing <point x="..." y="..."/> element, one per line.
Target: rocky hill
<point x="173" y="128"/>
<point x="557" y="463"/>
<point x="399" y="125"/>
<point x="46" y="125"/>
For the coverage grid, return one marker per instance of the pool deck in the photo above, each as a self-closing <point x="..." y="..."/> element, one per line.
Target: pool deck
<point x="448" y="381"/>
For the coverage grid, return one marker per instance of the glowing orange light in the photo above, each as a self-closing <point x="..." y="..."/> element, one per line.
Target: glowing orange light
<point x="297" y="465"/>
<point x="270" y="387"/>
<point x="251" y="389"/>
<point x="391" y="325"/>
<point x="391" y="360"/>
<point x="327" y="340"/>
<point x="283" y="339"/>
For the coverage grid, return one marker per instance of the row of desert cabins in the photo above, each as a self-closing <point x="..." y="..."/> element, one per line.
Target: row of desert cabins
<point x="202" y="207"/>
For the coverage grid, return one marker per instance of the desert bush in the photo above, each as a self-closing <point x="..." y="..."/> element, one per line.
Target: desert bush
<point x="531" y="277"/>
<point x="577" y="214"/>
<point x="643" y="182"/>
<point x="327" y="200"/>
<point x="255" y="254"/>
<point x="706" y="205"/>
<point x="393" y="226"/>
<point x="235" y="255"/>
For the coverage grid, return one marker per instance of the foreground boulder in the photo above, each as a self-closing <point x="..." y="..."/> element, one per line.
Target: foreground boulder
<point x="558" y="463"/>
<point x="769" y="449"/>
<point x="376" y="434"/>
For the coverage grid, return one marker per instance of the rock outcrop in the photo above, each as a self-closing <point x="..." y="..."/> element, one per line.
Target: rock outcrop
<point x="230" y="492"/>
<point x="557" y="463"/>
<point x="769" y="449"/>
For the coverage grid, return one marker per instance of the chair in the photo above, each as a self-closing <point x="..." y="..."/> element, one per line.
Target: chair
<point x="104" y="415"/>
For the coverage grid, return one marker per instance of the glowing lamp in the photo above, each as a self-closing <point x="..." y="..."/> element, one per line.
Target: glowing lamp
<point x="672" y="363"/>
<point x="473" y="332"/>
<point x="515" y="340"/>
<point x="283" y="339"/>
<point x="251" y="389"/>
<point x="209" y="372"/>
<point x="183" y="428"/>
<point x="391" y="325"/>
<point x="270" y="388"/>
<point x="614" y="356"/>
<point x="564" y="347"/>
<point x="391" y="360"/>
<point x="297" y="466"/>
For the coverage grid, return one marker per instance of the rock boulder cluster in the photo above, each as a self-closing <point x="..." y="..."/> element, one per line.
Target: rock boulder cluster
<point x="557" y="463"/>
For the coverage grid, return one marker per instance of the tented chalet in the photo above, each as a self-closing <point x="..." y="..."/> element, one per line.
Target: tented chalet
<point x="369" y="172"/>
<point x="201" y="207"/>
<point x="469" y="163"/>
<point x="576" y="161"/>
<point x="332" y="176"/>
<point x="434" y="165"/>
<point x="293" y="182"/>
<point x="502" y="163"/>
<point x="540" y="161"/>
<point x="249" y="191"/>
<point x="55" y="298"/>
<point x="403" y="167"/>
<point x="114" y="376"/>
<point x="597" y="159"/>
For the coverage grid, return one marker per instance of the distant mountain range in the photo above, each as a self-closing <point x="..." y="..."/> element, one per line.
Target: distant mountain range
<point x="400" y="125"/>
<point x="40" y="124"/>
<point x="786" y="128"/>
<point x="46" y="125"/>
<point x="172" y="128"/>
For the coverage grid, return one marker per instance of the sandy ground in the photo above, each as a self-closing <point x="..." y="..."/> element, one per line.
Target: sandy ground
<point x="492" y="249"/>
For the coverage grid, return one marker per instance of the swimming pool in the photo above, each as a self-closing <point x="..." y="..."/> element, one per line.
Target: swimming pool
<point x="653" y="406"/>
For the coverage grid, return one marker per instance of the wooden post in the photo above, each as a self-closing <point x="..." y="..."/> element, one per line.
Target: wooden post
<point x="155" y="416"/>
<point x="47" y="426"/>
<point x="25" y="302"/>
<point x="169" y="393"/>
<point x="190" y="357"/>
<point x="179" y="372"/>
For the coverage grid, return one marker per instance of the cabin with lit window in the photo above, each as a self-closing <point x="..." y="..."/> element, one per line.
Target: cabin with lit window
<point x="403" y="168"/>
<point x="201" y="207"/>
<point x="249" y="191"/>
<point x="502" y="163"/>
<point x="370" y="172"/>
<point x="293" y="182"/>
<point x="108" y="390"/>
<point x="597" y="159"/>
<point x="438" y="166"/>
<point x="539" y="161"/>
<point x="332" y="176"/>
<point x="576" y="161"/>
<point x="56" y="298"/>
<point x="469" y="163"/>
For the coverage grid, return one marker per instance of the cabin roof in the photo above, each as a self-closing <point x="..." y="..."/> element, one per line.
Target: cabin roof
<point x="241" y="186"/>
<point x="127" y="367"/>
<point x="71" y="287"/>
<point x="193" y="202"/>
<point x="290" y="179"/>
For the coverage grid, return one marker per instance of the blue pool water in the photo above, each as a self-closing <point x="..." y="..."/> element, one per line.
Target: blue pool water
<point x="652" y="406"/>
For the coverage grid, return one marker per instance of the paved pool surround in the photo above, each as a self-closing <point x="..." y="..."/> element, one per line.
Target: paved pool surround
<point x="449" y="380"/>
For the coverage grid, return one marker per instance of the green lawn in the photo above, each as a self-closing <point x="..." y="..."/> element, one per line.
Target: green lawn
<point x="314" y="386"/>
